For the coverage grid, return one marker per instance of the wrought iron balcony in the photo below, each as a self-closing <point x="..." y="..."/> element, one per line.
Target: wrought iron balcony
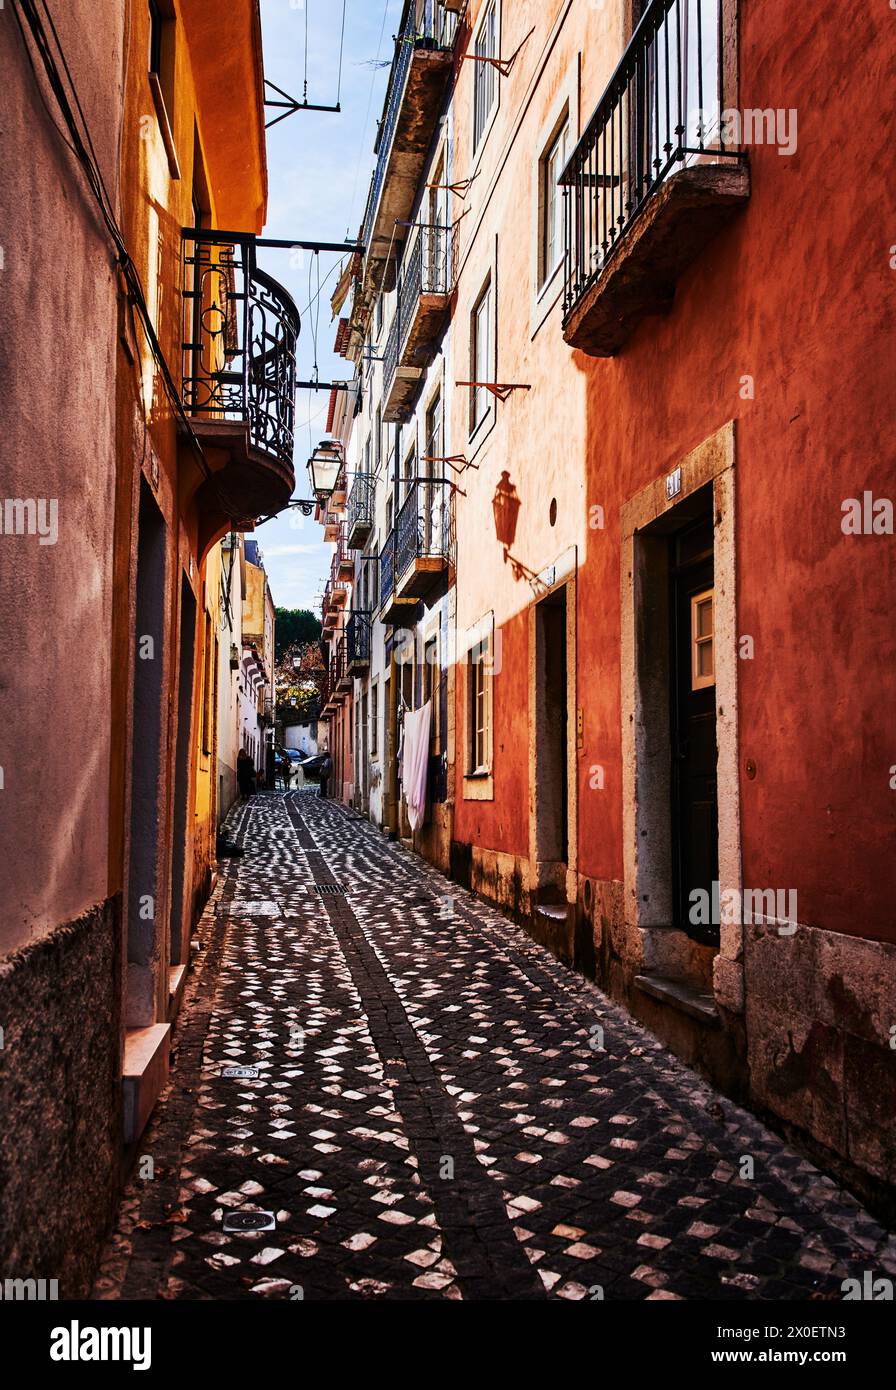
<point x="357" y="639"/>
<point x="329" y="610"/>
<point x="424" y="290"/>
<point x="360" y="511"/>
<point x="421" y="71"/>
<point x="326" y="694"/>
<point x="422" y="547"/>
<point x="343" y="563"/>
<point x="338" y="584"/>
<point x="239" y="370"/>
<point x="393" y="609"/>
<point x="653" y="177"/>
<point x="339" y="675"/>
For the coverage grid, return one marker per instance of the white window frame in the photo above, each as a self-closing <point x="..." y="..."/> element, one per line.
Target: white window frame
<point x="548" y="265"/>
<point x="485" y="75"/>
<point x="481" y="400"/>
<point x="479" y="782"/>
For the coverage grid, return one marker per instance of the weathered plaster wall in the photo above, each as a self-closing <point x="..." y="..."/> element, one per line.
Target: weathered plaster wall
<point x="57" y="364"/>
<point x="60" y="1097"/>
<point x="790" y="297"/>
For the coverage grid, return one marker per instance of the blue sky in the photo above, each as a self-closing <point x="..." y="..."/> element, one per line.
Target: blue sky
<point x="319" y="167"/>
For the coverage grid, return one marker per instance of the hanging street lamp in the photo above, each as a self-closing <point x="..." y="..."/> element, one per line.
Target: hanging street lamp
<point x="323" y="469"/>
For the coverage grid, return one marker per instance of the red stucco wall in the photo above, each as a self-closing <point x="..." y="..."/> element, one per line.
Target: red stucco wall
<point x="798" y="294"/>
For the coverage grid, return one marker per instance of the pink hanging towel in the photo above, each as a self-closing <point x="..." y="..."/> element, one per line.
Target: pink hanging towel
<point x="415" y="762"/>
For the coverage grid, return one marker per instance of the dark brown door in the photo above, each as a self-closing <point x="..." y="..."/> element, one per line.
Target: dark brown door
<point x="695" y="819"/>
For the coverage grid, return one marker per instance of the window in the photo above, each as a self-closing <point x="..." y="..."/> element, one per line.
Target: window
<point x="551" y="198"/>
<point x="379" y="315"/>
<point x="435" y="516"/>
<point x="374" y="719"/>
<point x="481" y="356"/>
<point x="378" y="440"/>
<point x="703" y="661"/>
<point x="161" y="73"/>
<point x="406" y="681"/>
<point x="486" y="75"/>
<point x="480" y="711"/>
<point x="155" y="38"/>
<point x="431" y="680"/>
<point x="434" y="436"/>
<point x="408" y="472"/>
<point x="161" y="51"/>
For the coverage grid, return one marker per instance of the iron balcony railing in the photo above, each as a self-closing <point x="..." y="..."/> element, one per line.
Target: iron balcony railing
<point x="425" y="269"/>
<point x="328" y="608"/>
<point x="428" y="25"/>
<point x="422" y="527"/>
<point x="390" y="355"/>
<point x="660" y="112"/>
<point x="387" y="569"/>
<point x="338" y="670"/>
<point x="239" y="341"/>
<point x="360" y="509"/>
<point x="357" y="638"/>
<point x="342" y="560"/>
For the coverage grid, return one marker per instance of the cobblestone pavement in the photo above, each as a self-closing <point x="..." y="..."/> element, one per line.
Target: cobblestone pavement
<point x="442" y="1111"/>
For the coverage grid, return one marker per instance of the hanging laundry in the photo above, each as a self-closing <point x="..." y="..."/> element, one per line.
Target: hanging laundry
<point x="415" y="762"/>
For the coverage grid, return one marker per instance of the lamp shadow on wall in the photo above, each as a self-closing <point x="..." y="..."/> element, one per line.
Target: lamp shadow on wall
<point x="506" y="505"/>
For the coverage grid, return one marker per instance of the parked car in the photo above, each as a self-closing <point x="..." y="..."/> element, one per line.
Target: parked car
<point x="312" y="766"/>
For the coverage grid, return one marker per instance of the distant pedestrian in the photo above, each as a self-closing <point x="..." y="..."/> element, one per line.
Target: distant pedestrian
<point x="245" y="774"/>
<point x="326" y="768"/>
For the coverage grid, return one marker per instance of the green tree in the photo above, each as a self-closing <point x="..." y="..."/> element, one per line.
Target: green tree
<point x="296" y="627"/>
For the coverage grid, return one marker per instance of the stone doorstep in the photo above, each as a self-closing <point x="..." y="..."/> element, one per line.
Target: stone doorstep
<point x="681" y="996"/>
<point x="145" y="1074"/>
<point x="177" y="979"/>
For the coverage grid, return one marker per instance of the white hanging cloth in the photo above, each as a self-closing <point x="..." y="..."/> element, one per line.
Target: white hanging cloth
<point x="415" y="762"/>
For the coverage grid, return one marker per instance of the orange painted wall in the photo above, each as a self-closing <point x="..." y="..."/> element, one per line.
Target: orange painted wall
<point x="798" y="293"/>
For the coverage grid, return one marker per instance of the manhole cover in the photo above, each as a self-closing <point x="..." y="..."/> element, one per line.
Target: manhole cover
<point x="240" y="1071"/>
<point x="329" y="888"/>
<point x="250" y="1221"/>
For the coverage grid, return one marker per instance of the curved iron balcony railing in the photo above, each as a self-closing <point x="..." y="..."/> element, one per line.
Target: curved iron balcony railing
<point x="660" y="112"/>
<point x="239" y="341"/>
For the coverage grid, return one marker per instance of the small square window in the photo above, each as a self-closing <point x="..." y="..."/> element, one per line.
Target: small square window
<point x="703" y="657"/>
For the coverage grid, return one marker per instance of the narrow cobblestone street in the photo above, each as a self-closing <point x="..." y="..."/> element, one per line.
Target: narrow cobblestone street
<point x="434" y="1115"/>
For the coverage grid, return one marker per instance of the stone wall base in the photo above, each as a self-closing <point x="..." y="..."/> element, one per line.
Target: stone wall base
<point x="60" y="1098"/>
<point x="820" y="1010"/>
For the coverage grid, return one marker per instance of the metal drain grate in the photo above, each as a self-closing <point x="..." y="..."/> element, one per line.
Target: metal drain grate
<point x="329" y="888"/>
